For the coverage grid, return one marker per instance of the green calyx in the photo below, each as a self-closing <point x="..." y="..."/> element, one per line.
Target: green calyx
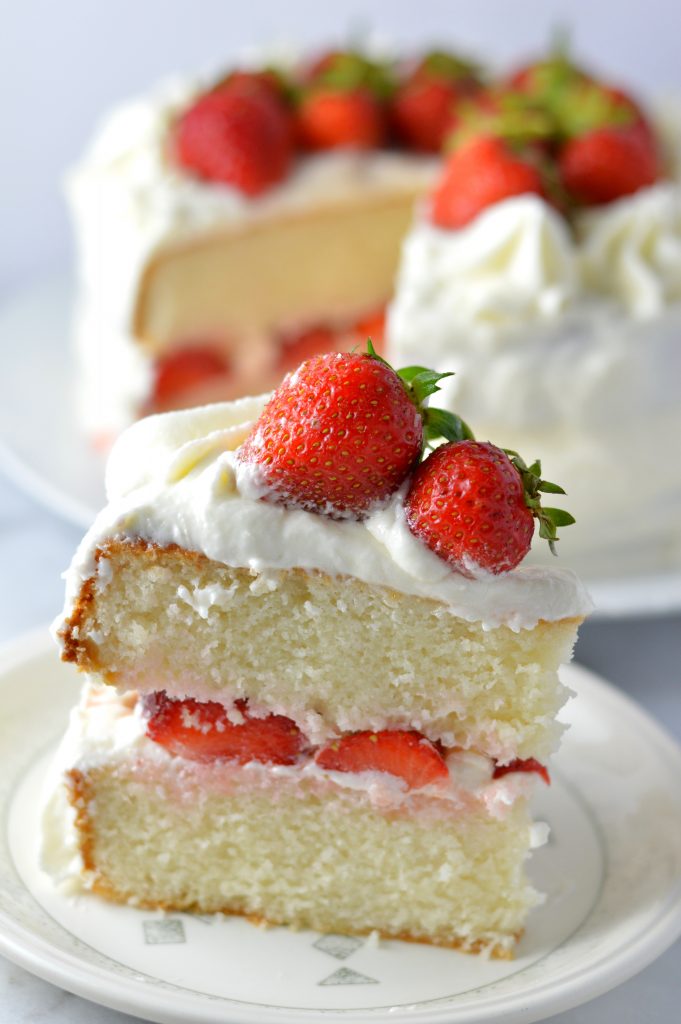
<point x="420" y="383"/>
<point x="514" y="117"/>
<point x="349" y="70"/>
<point x="448" y="66"/>
<point x="550" y="519"/>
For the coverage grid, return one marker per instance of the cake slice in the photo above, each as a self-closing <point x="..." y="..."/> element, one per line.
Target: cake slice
<point x="295" y="709"/>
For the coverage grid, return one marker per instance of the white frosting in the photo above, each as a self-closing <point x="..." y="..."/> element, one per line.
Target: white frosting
<point x="129" y="202"/>
<point x="632" y="249"/>
<point x="171" y="479"/>
<point x="591" y="382"/>
<point x="513" y="266"/>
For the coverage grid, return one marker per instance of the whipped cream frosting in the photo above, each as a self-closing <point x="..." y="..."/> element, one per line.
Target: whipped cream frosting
<point x="129" y="202"/>
<point x="512" y="267"/>
<point x="631" y="250"/>
<point x="172" y="479"/>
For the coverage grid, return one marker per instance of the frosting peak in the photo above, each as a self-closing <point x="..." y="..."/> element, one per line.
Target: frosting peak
<point x="514" y="265"/>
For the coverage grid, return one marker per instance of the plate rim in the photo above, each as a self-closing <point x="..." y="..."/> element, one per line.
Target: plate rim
<point x="135" y="997"/>
<point x="650" y="594"/>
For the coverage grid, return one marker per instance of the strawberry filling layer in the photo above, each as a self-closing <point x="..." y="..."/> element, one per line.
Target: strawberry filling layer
<point x="207" y="731"/>
<point x="183" y="370"/>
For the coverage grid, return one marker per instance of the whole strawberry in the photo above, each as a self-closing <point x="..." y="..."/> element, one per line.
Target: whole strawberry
<point x="342" y="102"/>
<point x="342" y="433"/>
<point x="330" y="118"/>
<point x="608" y="163"/>
<point x="474" y="506"/>
<point x="423" y="110"/>
<point x="483" y="171"/>
<point x="239" y="135"/>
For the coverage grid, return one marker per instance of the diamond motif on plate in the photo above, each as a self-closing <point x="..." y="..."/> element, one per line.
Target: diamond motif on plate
<point x="344" y="976"/>
<point x="340" y="946"/>
<point x="158" y="933"/>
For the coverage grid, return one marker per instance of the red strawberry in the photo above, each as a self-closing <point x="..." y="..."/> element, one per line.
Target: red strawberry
<point x="184" y="369"/>
<point x="267" y="81"/>
<point x="481" y="172"/>
<point x="201" y="731"/>
<point x="238" y="135"/>
<point x="423" y="113"/>
<point x="408" y="755"/>
<point x="527" y="764"/>
<point x="608" y="163"/>
<point x="330" y="118"/>
<point x="424" y="107"/>
<point x="338" y="435"/>
<point x="474" y="506"/>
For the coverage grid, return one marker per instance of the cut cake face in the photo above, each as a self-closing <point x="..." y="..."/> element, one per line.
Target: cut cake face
<point x="306" y="718"/>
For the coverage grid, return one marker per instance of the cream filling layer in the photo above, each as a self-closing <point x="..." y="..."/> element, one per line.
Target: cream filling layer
<point x="109" y="730"/>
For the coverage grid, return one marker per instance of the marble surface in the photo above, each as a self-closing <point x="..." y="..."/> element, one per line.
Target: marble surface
<point x="642" y="656"/>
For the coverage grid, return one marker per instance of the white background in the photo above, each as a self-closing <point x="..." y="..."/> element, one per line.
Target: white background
<point x="63" y="62"/>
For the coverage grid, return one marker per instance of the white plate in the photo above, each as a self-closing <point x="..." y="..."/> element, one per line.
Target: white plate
<point x="42" y="445"/>
<point x="612" y="872"/>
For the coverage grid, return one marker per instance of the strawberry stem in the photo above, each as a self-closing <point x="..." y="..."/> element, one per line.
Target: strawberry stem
<point x="550" y="519"/>
<point x="420" y="383"/>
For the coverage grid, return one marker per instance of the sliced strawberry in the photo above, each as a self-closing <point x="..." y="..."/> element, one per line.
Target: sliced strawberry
<point x="372" y="326"/>
<point x="408" y="755"/>
<point x="312" y="342"/>
<point x="184" y="369"/>
<point x="527" y="764"/>
<point x="201" y="731"/>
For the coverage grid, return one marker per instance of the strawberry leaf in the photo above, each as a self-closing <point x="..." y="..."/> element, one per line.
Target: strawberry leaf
<point x="421" y="381"/>
<point x="438" y="423"/>
<point x="548" y="488"/>
<point x="533" y="486"/>
<point x="558" y="516"/>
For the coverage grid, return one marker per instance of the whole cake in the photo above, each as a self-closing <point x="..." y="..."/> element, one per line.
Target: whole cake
<point x="319" y="685"/>
<point x="545" y="268"/>
<point x="229" y="229"/>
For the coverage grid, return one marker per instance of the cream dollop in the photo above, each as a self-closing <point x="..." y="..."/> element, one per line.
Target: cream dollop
<point x="631" y="249"/>
<point x="171" y="479"/>
<point x="514" y="266"/>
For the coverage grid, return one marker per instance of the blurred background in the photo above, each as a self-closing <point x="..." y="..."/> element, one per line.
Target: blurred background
<point x="63" y="64"/>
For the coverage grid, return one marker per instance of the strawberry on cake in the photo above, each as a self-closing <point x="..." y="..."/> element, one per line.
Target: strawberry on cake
<point x="545" y="268"/>
<point x="230" y="229"/>
<point x="320" y="686"/>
